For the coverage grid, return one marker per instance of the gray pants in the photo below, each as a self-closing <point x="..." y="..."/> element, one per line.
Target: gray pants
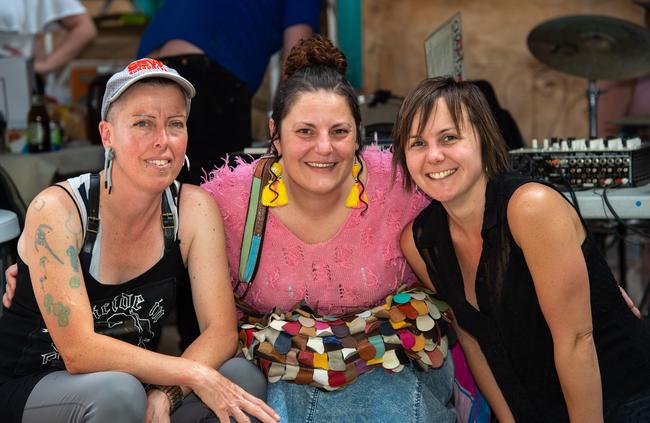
<point x="109" y="397"/>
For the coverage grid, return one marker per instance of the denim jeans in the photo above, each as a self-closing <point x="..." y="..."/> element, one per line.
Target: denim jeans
<point x="408" y="396"/>
<point x="634" y="410"/>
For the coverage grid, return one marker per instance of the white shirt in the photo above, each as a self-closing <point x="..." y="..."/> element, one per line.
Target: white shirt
<point x="21" y="20"/>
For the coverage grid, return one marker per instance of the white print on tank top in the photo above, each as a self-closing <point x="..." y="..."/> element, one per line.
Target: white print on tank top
<point x="122" y="318"/>
<point x="52" y="355"/>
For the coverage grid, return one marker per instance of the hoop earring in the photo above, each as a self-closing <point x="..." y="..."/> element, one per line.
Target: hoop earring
<point x="274" y="193"/>
<point x="109" y="156"/>
<point x="357" y="197"/>
<point x="187" y="162"/>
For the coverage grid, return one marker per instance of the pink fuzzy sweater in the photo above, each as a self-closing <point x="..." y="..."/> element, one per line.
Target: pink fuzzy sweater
<point x="357" y="267"/>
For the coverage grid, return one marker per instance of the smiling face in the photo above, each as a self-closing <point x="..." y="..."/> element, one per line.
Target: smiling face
<point x="445" y="161"/>
<point x="147" y="130"/>
<point x="317" y="144"/>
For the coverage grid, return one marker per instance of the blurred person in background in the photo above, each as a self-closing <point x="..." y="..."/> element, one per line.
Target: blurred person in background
<point x="22" y="20"/>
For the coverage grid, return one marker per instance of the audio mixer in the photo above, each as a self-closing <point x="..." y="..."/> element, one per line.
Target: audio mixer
<point x="581" y="163"/>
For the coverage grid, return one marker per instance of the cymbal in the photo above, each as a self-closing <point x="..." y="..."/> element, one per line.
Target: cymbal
<point x="639" y="120"/>
<point x="593" y="47"/>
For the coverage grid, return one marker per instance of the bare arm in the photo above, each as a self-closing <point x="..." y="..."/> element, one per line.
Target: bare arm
<point x="552" y="249"/>
<point x="475" y="358"/>
<point x="80" y="30"/>
<point x="291" y="36"/>
<point x="50" y="249"/>
<point x="201" y="222"/>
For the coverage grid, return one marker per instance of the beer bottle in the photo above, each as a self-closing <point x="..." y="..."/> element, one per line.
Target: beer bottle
<point x="38" y="126"/>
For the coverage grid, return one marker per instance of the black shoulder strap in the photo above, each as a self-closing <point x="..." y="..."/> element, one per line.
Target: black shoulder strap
<point x="167" y="217"/>
<point x="92" y="210"/>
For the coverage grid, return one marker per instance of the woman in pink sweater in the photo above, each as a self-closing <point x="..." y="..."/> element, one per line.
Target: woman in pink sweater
<point x="335" y="256"/>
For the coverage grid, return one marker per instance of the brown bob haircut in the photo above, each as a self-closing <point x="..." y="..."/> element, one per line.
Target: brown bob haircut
<point x="460" y="97"/>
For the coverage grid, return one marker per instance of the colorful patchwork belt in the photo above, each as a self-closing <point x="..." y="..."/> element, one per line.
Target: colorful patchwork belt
<point x="331" y="352"/>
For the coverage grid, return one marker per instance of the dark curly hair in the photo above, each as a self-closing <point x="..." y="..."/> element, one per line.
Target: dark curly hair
<point x="315" y="51"/>
<point x="314" y="64"/>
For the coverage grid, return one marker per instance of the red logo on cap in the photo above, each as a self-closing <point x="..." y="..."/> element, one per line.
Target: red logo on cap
<point x="145" y="64"/>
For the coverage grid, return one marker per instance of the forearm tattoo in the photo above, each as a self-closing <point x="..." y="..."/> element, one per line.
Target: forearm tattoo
<point x="41" y="240"/>
<point x="58" y="309"/>
<point x="75" y="282"/>
<point x="43" y="278"/>
<point x="74" y="258"/>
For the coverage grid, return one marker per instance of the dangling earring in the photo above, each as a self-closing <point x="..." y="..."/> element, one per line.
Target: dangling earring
<point x="274" y="193"/>
<point x="187" y="162"/>
<point x="109" y="155"/>
<point x="355" y="199"/>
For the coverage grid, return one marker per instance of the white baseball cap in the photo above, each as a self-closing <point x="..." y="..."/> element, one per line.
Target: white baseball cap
<point x="142" y="69"/>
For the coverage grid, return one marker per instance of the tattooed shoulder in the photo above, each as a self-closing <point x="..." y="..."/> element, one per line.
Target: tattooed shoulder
<point x="40" y="240"/>
<point x="38" y="203"/>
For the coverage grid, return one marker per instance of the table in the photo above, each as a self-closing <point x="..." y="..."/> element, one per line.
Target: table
<point x="31" y="173"/>
<point x="628" y="204"/>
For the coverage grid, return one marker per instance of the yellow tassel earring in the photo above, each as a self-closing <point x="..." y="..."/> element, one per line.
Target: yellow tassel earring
<point x="274" y="193"/>
<point x="355" y="200"/>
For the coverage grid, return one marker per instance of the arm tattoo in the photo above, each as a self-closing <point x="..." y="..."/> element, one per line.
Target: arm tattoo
<point x="39" y="203"/>
<point x="75" y="282"/>
<point x="42" y="241"/>
<point x="74" y="259"/>
<point x="68" y="226"/>
<point x="43" y="278"/>
<point x="58" y="309"/>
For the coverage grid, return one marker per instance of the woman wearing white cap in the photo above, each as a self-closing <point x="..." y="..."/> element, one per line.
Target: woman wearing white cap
<point x="99" y="261"/>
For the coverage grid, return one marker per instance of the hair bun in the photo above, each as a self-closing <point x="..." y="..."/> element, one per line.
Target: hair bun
<point x="315" y="51"/>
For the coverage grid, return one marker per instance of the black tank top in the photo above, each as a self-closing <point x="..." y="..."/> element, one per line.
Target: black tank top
<point x="510" y="327"/>
<point x="132" y="311"/>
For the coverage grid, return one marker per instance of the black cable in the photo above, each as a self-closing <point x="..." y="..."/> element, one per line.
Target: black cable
<point x="616" y="216"/>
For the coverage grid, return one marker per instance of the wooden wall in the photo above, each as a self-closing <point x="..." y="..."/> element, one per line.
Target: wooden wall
<point x="544" y="102"/>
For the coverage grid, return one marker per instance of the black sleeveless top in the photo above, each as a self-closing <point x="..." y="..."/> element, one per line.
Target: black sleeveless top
<point x="132" y="311"/>
<point x="510" y="327"/>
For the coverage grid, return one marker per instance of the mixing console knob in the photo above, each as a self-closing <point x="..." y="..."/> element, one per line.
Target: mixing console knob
<point x="615" y="144"/>
<point x="579" y="144"/>
<point x="633" y="143"/>
<point x="596" y="144"/>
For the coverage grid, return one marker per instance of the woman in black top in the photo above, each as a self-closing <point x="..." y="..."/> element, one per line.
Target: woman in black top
<point x="90" y="296"/>
<point x="547" y="335"/>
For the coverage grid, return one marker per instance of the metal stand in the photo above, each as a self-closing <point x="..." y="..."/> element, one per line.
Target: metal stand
<point x="592" y="93"/>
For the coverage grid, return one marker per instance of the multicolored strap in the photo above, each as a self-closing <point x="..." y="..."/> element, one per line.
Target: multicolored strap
<point x="251" y="244"/>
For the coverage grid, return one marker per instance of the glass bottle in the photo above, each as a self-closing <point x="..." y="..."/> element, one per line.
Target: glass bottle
<point x="38" y="126"/>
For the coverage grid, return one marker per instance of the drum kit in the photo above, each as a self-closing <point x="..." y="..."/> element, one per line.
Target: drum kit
<point x="596" y="48"/>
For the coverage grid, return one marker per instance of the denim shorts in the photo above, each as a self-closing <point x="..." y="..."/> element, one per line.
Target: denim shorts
<point x="410" y="396"/>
